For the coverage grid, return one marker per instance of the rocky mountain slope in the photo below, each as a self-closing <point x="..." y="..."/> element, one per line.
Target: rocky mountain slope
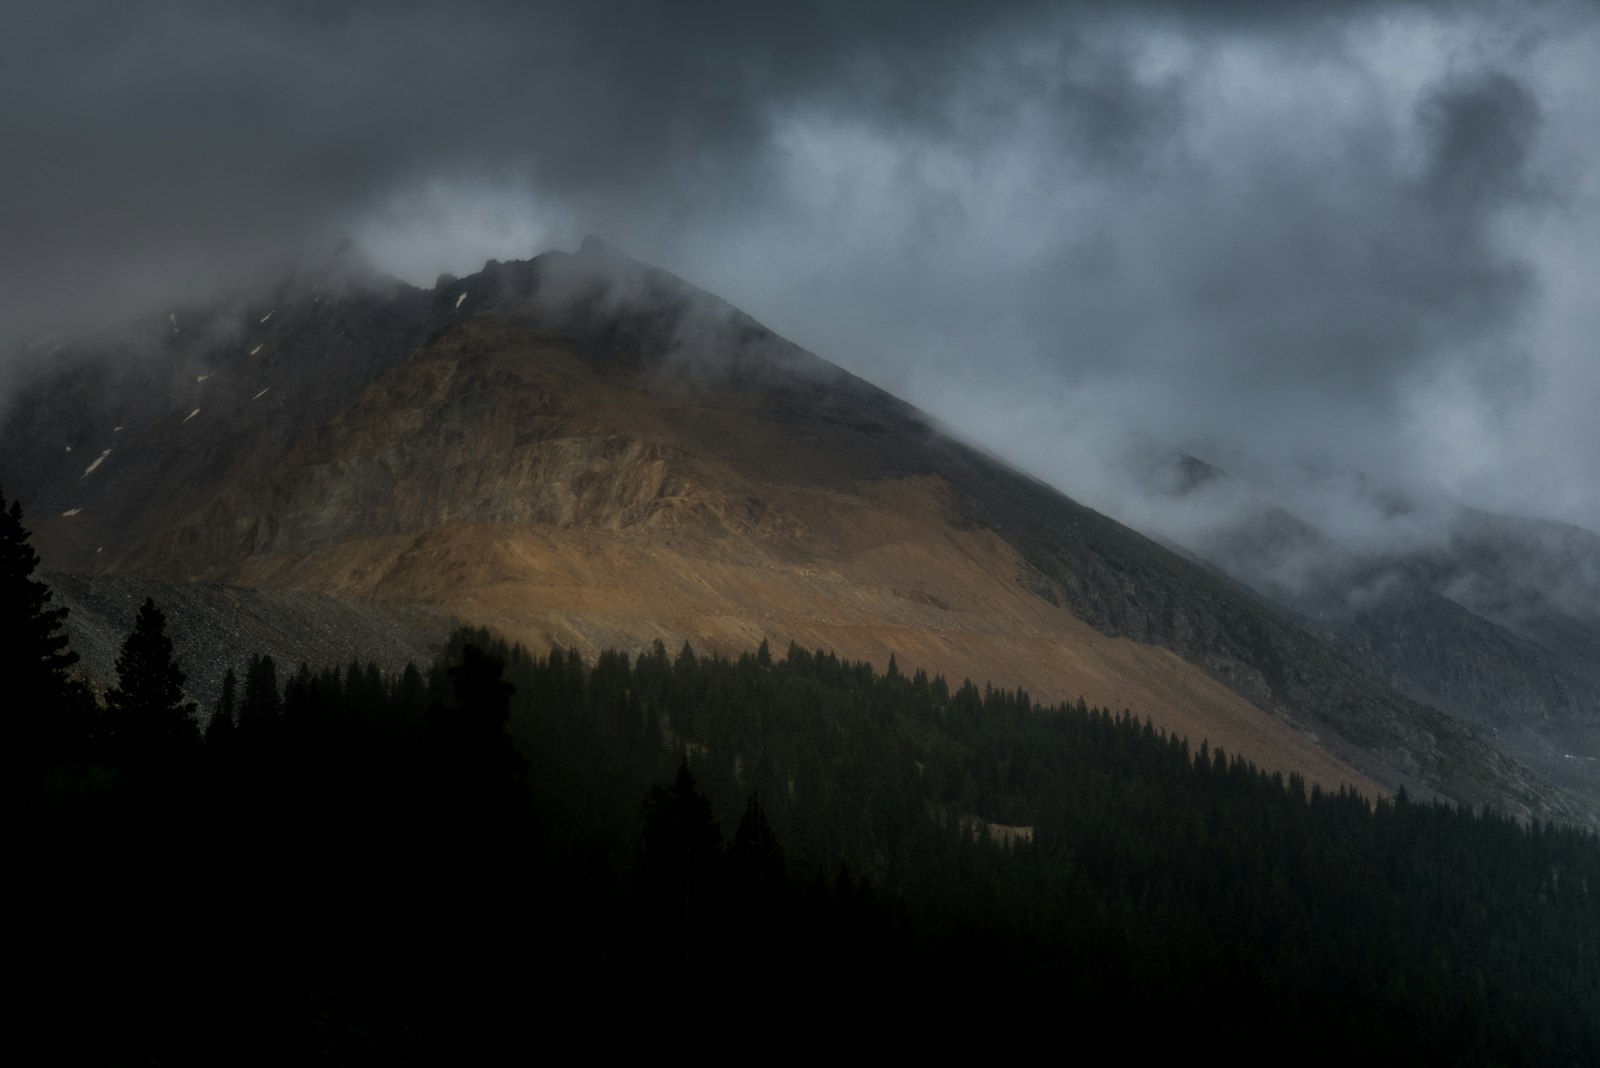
<point x="215" y="627"/>
<point x="1493" y="619"/>
<point x="579" y="449"/>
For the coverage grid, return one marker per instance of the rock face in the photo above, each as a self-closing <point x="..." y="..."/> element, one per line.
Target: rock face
<point x="582" y="450"/>
<point x="174" y="406"/>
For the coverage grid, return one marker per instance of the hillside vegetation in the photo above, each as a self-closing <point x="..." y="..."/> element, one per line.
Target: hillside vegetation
<point x="354" y="867"/>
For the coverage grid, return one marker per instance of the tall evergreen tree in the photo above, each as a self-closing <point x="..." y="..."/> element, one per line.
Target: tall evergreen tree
<point x="756" y="854"/>
<point x="149" y="718"/>
<point x="683" y="860"/>
<point x="34" y="657"/>
<point x="221" y="725"/>
<point x="262" y="707"/>
<point x="471" y="749"/>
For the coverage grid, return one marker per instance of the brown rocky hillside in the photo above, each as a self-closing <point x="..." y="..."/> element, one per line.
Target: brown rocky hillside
<point x="581" y="450"/>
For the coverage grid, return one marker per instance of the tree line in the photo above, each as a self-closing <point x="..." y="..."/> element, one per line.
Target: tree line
<point x="335" y="864"/>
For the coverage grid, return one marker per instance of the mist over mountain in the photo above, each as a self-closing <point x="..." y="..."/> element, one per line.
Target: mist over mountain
<point x="582" y="450"/>
<point x="1315" y="243"/>
<point x="1090" y="505"/>
<point x="595" y="460"/>
<point x="1493" y="618"/>
<point x="1337" y="253"/>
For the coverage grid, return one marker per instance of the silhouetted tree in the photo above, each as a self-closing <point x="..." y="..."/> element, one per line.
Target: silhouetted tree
<point x="683" y="861"/>
<point x="148" y="716"/>
<point x="471" y="761"/>
<point x="221" y="726"/>
<point x="34" y="657"/>
<point x="755" y="853"/>
<point x="262" y="707"/>
<point x="472" y="735"/>
<point x="34" y="648"/>
<point x="305" y="703"/>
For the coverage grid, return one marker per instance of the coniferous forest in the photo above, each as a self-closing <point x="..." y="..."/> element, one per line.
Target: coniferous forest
<point x="677" y="852"/>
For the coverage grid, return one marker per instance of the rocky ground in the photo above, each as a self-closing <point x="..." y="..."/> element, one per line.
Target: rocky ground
<point x="216" y="627"/>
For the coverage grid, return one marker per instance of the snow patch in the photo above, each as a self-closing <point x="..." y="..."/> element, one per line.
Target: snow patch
<point x="267" y="316"/>
<point x="69" y="448"/>
<point x="461" y="298"/>
<point x="116" y="429"/>
<point x="70" y="512"/>
<point x="258" y="396"/>
<point x="190" y="416"/>
<point x="87" y="471"/>
<point x="202" y="378"/>
<point x="257" y="348"/>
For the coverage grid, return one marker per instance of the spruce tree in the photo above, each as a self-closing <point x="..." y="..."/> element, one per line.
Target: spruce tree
<point x="221" y="726"/>
<point x="683" y="861"/>
<point x="149" y="718"/>
<point x="262" y="706"/>
<point x="472" y="752"/>
<point x="34" y="648"/>
<point x="34" y="657"/>
<point x="756" y="854"/>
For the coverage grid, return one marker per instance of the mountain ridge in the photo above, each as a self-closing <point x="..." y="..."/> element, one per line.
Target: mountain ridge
<point x="1494" y="619"/>
<point x="583" y="453"/>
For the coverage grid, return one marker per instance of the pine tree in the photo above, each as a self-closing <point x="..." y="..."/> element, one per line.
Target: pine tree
<point x="683" y="861"/>
<point x="148" y="716"/>
<point x="756" y="854"/>
<point x="221" y="726"/>
<point x="410" y="701"/>
<point x="33" y="651"/>
<point x="51" y="716"/>
<point x="469" y="741"/>
<point x="262" y="707"/>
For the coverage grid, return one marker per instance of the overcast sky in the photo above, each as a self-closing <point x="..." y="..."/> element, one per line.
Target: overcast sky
<point x="1354" y="242"/>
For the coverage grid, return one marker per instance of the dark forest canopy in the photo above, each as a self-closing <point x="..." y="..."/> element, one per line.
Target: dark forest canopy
<point x="353" y="867"/>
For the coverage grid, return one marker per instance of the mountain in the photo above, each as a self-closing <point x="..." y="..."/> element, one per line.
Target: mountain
<point x="1494" y="619"/>
<point x="583" y="450"/>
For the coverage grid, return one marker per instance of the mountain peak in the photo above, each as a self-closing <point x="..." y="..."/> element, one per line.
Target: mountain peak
<point x="585" y="450"/>
<point x="595" y="246"/>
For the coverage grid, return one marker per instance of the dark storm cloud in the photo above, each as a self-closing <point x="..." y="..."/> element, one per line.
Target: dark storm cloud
<point x="171" y="134"/>
<point x="179" y="132"/>
<point x="1288" y="233"/>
